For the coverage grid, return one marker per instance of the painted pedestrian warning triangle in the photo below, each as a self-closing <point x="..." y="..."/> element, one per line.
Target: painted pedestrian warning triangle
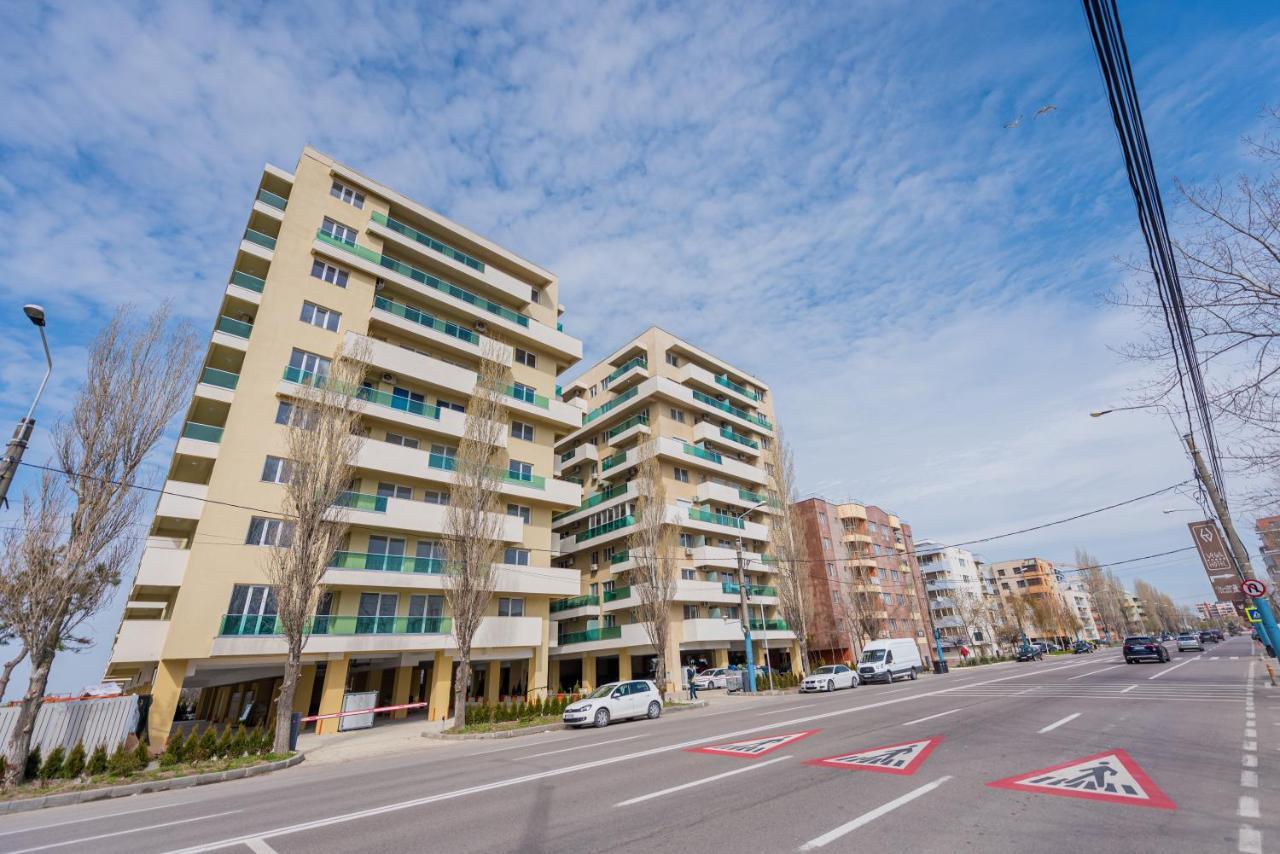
<point x="754" y="747"/>
<point x="1108" y="776"/>
<point x="903" y="758"/>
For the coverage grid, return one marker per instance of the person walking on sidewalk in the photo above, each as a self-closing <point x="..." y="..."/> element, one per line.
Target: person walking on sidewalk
<point x="689" y="673"/>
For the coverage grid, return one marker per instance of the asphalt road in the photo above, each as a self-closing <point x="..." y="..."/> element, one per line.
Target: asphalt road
<point x="1202" y="731"/>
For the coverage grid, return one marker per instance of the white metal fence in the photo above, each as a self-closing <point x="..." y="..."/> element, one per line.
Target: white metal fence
<point x="103" y="720"/>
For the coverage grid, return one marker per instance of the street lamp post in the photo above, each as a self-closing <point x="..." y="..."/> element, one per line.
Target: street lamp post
<point x="22" y="433"/>
<point x="750" y="684"/>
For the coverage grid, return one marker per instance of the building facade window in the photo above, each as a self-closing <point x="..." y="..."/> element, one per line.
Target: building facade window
<point x="520" y="511"/>
<point x="677" y="416"/>
<point x="329" y="273"/>
<point x="518" y="557"/>
<point x="682" y="475"/>
<point x="403" y="441"/>
<point x="524" y="357"/>
<point x="316" y="315"/>
<point x="339" y="232"/>
<point x="348" y="195"/>
<point x="264" y="531"/>
<point x="520" y="430"/>
<point x="510" y="607"/>
<point x="275" y="470"/>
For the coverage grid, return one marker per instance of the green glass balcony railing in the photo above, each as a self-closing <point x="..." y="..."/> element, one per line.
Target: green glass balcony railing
<point x="244" y="280"/>
<point x="613" y="404"/>
<point x="362" y="501"/>
<point x="519" y="478"/>
<point x="771" y="625"/>
<point x="768" y="560"/>
<point x="607" y="527"/>
<point x="627" y="425"/>
<point x="606" y="633"/>
<point x="528" y="395"/>
<point x="259" y="238"/>
<point x="231" y="326"/>
<point x="201" y="432"/>
<point x="424" y="279"/>
<point x="386" y="563"/>
<point x="637" y="362"/>
<point x="721" y="379"/>
<point x="369" y="395"/>
<point x="731" y="587"/>
<point x="620" y="557"/>
<point x="616" y="594"/>
<point x="568" y="455"/>
<point x="240" y="625"/>
<point x="758" y="420"/>
<point x="421" y="318"/>
<point x="272" y="199"/>
<point x="218" y="377"/>
<point x="748" y="495"/>
<point x="615" y="460"/>
<point x="703" y="453"/>
<point x="428" y="241"/>
<point x="442" y="462"/>
<point x="726" y="433"/>
<point x="574" y="602"/>
<point x="700" y="515"/>
<point x="592" y="501"/>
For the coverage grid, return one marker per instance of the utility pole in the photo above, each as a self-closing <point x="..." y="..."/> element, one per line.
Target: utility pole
<point x="1243" y="567"/>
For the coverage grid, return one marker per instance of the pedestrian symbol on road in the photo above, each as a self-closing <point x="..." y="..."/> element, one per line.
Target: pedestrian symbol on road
<point x="904" y="758"/>
<point x="755" y="747"/>
<point x="1110" y="776"/>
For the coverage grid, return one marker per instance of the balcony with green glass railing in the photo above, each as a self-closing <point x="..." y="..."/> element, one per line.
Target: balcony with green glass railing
<point x="444" y="462"/>
<point x="607" y="527"/>
<point x="617" y="593"/>
<point x="732" y="587"/>
<point x="250" y="283"/>
<point x="231" y="326"/>
<point x="620" y="557"/>
<point x="723" y="380"/>
<point x="362" y="501"/>
<point x="421" y="318"/>
<point x="726" y="433"/>
<point x="219" y="377"/>
<point x="703" y="453"/>
<point x="428" y="241"/>
<point x="697" y="514"/>
<point x="771" y="625"/>
<point x="527" y="395"/>
<point x="748" y="495"/>
<point x="768" y="560"/>
<point x="249" y="625"/>
<point x="758" y="420"/>
<point x="270" y="198"/>
<point x="633" y="421"/>
<point x="574" y="602"/>
<point x="264" y="240"/>
<point x="386" y="563"/>
<point x="613" y="404"/>
<point x="586" y="635"/>
<point x="636" y="362"/>
<point x="424" y="278"/>
<point x="201" y="432"/>
<point x="397" y="402"/>
<point x="616" y="460"/>
<point x="592" y="501"/>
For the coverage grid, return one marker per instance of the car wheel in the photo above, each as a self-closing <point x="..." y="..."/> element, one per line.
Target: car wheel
<point x="913" y="674"/>
<point x="655" y="709"/>
<point x="602" y="718"/>
<point x="831" y="685"/>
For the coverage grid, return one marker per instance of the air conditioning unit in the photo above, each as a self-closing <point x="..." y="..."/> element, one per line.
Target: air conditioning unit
<point x="481" y="326"/>
<point x="688" y="552"/>
<point x="594" y="567"/>
<point x="388" y="378"/>
<point x="379" y="284"/>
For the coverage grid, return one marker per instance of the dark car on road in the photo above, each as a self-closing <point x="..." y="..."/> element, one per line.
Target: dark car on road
<point x="1208" y="637"/>
<point x="1081" y="646"/>
<point x="1144" y="647"/>
<point x="1030" y="652"/>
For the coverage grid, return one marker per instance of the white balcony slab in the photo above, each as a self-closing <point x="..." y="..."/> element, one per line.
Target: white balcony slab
<point x="182" y="500"/>
<point x="633" y="637"/>
<point x="162" y="567"/>
<point x="241" y="293"/>
<point x="226" y="339"/>
<point x="139" y="641"/>
<point x="208" y="391"/>
<point x="493" y="633"/>
<point x="528" y="580"/>
<point x="503" y="353"/>
<point x="250" y="248"/>
<point x="420" y="517"/>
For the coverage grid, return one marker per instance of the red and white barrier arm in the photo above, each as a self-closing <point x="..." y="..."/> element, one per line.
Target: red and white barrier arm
<point x="372" y="711"/>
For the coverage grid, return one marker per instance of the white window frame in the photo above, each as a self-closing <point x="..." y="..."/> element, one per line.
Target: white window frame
<point x="522" y="431"/>
<point x="342" y="233"/>
<point x="345" y="194"/>
<point x="318" y="315"/>
<point x="329" y="273"/>
<point x="276" y="469"/>
<point x="526" y="358"/>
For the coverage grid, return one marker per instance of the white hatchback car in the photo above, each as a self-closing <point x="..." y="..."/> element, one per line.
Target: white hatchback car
<point x="716" y="677"/>
<point x="1188" y="641"/>
<point x="829" y="677"/>
<point x="638" y="698"/>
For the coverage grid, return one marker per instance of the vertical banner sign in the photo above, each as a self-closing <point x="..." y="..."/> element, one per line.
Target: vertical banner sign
<point x="1217" y="562"/>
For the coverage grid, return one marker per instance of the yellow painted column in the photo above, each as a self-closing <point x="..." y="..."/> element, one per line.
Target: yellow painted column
<point x="588" y="672"/>
<point x="492" y="679"/>
<point x="719" y="658"/>
<point x="400" y="690"/>
<point x="553" y="676"/>
<point x="624" y="665"/>
<point x="797" y="666"/>
<point x="540" y="684"/>
<point x="335" y="685"/>
<point x="166" y="690"/>
<point x="302" y="693"/>
<point x="441" y="683"/>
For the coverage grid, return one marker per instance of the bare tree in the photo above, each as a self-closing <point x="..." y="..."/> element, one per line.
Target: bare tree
<point x="474" y="520"/>
<point x="1107" y="598"/>
<point x="322" y="440"/>
<point x="652" y="545"/>
<point x="858" y="611"/>
<point x="790" y="546"/>
<point x="1007" y="617"/>
<point x="139" y="374"/>
<point x="972" y="610"/>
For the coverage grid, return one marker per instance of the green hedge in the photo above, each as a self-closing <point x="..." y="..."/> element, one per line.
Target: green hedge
<point x="519" y="710"/>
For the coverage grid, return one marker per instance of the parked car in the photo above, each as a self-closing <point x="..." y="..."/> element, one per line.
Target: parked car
<point x="1188" y="641"/>
<point x="638" y="698"/>
<point x="715" y="677"/>
<point x="889" y="659"/>
<point x="829" y="677"/>
<point x="1030" y="652"/>
<point x="1140" y="647"/>
<point x="1081" y="646"/>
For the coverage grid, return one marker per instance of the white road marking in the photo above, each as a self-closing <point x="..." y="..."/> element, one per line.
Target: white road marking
<point x="1235" y="658"/>
<point x="539" y="743"/>
<point x="94" y="818"/>
<point x="868" y="817"/>
<point x="1251" y="745"/>
<point x="1248" y="807"/>
<point x="1250" y="840"/>
<point x="580" y="747"/>
<point x="1051" y="727"/>
<point x="1094" y="673"/>
<point x="1248" y="779"/>
<point x="785" y="709"/>
<point x="1175" y="667"/>
<point x="123" y="832"/>
<point x="1250" y="732"/>
<point x="1127" y="690"/>
<point x="1250" y="760"/>
<point x="931" y="717"/>
<point x="701" y="782"/>
<point x="260" y="846"/>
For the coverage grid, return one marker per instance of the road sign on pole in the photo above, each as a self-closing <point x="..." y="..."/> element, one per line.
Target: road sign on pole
<point x="1253" y="587"/>
<point x="1252" y="614"/>
<point x="1217" y="561"/>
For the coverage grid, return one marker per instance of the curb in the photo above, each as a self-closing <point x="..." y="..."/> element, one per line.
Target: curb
<point x="534" y="730"/>
<point x="128" y="789"/>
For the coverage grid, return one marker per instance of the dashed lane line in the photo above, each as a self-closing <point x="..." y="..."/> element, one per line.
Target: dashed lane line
<point x="1175" y="667"/>
<point x="868" y="817"/>
<point x="931" y="717"/>
<point x="581" y="747"/>
<point x="1051" y="727"/>
<point x="691" y="784"/>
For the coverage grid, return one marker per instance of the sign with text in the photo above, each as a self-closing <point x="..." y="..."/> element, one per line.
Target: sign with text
<point x="1217" y="561"/>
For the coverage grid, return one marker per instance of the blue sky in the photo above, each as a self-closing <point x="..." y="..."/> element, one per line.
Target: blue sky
<point x="823" y="193"/>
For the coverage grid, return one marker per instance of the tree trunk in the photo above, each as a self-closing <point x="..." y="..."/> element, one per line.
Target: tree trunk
<point x="460" y="690"/>
<point x="20" y="741"/>
<point x="284" y="700"/>
<point x="8" y="670"/>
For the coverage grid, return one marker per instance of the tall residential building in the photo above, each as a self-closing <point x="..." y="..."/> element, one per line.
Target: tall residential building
<point x="330" y="261"/>
<point x="1080" y="604"/>
<point x="1214" y="611"/>
<point x="864" y="580"/>
<point x="1135" y="614"/>
<point x="1031" y="590"/>
<point x="957" y="594"/>
<point x="711" y="426"/>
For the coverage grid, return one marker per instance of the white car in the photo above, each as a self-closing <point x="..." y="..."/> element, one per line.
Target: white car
<point x="1188" y="641"/>
<point x="635" y="699"/>
<point x="829" y="677"/>
<point x="715" y="677"/>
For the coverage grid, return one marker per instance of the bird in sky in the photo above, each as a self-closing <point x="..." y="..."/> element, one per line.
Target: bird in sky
<point x="1046" y="110"/>
<point x="1014" y="123"/>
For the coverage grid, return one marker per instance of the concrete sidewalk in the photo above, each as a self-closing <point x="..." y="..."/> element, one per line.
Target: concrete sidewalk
<point x="384" y="738"/>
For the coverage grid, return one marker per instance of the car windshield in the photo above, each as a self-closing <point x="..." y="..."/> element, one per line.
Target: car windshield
<point x="873" y="655"/>
<point x="829" y="668"/>
<point x="1138" y="639"/>
<point x="602" y="691"/>
<point x="1185" y="637"/>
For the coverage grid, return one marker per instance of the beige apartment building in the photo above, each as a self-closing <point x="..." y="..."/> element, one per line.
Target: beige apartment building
<point x="1032" y="591"/>
<point x="711" y="425"/>
<point x="331" y="259"/>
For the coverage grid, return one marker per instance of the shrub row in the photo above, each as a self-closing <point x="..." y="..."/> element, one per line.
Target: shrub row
<point x="519" y="710"/>
<point x="781" y="680"/>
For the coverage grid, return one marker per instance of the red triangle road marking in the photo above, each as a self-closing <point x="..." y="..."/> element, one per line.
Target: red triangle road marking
<point x="753" y="748"/>
<point x="1108" y="776"/>
<point x="903" y="758"/>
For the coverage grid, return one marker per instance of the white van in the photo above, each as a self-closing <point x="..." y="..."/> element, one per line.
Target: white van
<point x="888" y="659"/>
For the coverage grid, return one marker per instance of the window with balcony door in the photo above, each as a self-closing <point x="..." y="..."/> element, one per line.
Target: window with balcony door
<point x="424" y="612"/>
<point x="403" y="441"/>
<point x="377" y="613"/>
<point x="308" y="367"/>
<point x="395" y="490"/>
<point x="252" y="610"/>
<point x="520" y="391"/>
<point x="517" y="470"/>
<point x="691" y="612"/>
<point x="431" y="556"/>
<point x="442" y="457"/>
<point x="385" y="553"/>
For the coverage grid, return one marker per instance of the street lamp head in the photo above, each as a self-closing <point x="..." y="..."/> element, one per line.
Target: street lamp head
<point x="35" y="313"/>
<point x="1098" y="413"/>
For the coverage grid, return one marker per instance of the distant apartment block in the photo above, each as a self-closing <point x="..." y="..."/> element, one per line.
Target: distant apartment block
<point x="1213" y="611"/>
<point x="955" y="584"/>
